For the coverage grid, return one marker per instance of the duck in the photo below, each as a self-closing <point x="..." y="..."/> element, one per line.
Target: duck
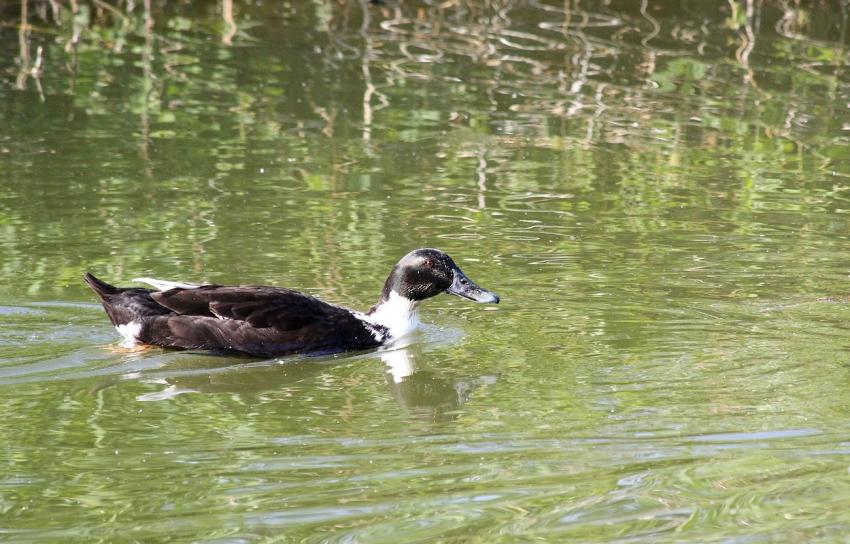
<point x="265" y="321"/>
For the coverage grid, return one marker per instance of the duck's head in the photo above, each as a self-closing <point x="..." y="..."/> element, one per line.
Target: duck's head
<point x="424" y="273"/>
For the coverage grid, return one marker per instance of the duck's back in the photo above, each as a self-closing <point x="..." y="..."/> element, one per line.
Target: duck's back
<point x="257" y="320"/>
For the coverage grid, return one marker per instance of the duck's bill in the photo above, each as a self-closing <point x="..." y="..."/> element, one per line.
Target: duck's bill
<point x="466" y="288"/>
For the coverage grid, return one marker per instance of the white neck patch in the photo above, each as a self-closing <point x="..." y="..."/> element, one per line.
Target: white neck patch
<point x="399" y="315"/>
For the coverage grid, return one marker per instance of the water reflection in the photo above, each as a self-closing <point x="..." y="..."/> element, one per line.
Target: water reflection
<point x="421" y="389"/>
<point x="613" y="108"/>
<point x="418" y="387"/>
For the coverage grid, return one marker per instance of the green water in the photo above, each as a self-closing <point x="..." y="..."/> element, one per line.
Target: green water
<point x="658" y="191"/>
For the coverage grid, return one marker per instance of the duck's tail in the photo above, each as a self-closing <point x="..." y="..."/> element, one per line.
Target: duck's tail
<point x="100" y="287"/>
<point x="125" y="305"/>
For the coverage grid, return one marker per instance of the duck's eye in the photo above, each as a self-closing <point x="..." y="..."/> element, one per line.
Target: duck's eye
<point x="429" y="263"/>
<point x="464" y="281"/>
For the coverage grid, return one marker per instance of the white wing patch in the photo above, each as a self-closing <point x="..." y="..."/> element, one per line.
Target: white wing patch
<point x="165" y="285"/>
<point x="130" y="331"/>
<point x="218" y="315"/>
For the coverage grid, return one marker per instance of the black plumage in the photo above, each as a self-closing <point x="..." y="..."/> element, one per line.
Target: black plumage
<point x="269" y="321"/>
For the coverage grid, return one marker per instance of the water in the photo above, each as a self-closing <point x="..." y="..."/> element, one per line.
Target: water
<point x="658" y="191"/>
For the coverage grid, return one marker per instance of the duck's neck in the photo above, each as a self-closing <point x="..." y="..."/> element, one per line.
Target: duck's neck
<point x="399" y="315"/>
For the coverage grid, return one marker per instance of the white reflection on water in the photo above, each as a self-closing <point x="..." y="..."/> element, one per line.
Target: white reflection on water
<point x="413" y="374"/>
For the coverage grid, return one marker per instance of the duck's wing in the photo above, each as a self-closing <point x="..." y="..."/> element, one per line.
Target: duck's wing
<point x="165" y="285"/>
<point x="259" y="306"/>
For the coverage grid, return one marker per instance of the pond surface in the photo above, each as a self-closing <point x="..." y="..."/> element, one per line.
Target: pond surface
<point x="658" y="191"/>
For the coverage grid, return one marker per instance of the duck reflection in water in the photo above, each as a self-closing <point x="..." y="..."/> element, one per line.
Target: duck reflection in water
<point x="420" y="390"/>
